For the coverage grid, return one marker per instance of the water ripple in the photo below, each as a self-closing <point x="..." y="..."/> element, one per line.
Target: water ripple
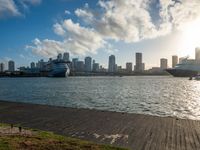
<point x="160" y="96"/>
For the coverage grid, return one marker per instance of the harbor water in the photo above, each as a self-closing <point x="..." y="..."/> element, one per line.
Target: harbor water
<point x="154" y="95"/>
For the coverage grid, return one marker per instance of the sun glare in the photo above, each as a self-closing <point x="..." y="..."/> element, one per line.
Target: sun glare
<point x="190" y="37"/>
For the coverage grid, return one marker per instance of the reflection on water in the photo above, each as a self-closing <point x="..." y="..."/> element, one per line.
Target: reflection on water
<point x="162" y="96"/>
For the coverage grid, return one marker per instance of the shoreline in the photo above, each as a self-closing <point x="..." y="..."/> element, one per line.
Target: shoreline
<point x="134" y="131"/>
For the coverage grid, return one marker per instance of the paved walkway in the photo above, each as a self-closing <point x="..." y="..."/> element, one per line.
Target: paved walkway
<point x="137" y="132"/>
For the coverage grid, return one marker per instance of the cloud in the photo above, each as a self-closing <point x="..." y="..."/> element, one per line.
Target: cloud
<point x="67" y="12"/>
<point x="47" y="48"/>
<point x="179" y="13"/>
<point x="22" y="56"/>
<point x="10" y="8"/>
<point x="77" y="40"/>
<point x="58" y="29"/>
<point x="119" y="20"/>
<point x="33" y="2"/>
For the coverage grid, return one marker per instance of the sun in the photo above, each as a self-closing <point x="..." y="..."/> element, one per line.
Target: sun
<point x="190" y="37"/>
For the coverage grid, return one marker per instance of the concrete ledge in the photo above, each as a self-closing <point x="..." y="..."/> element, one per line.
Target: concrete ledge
<point x="134" y="131"/>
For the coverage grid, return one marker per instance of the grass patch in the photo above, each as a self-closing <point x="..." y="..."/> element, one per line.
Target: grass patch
<point x="42" y="140"/>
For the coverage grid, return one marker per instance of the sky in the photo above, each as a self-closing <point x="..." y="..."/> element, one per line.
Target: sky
<point x="39" y="29"/>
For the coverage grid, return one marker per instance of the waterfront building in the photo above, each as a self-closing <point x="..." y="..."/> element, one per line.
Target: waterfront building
<point x="37" y="65"/>
<point x="102" y="69"/>
<point x="88" y="64"/>
<point x="129" y="67"/>
<point x="174" y="60"/>
<point x="41" y="64"/>
<point x="80" y="66"/>
<point x="66" y="56"/>
<point x="33" y="65"/>
<point x="59" y="57"/>
<point x="143" y="66"/>
<point x="74" y="64"/>
<point x="139" y="66"/>
<point x="95" y="67"/>
<point x="121" y="70"/>
<point x="2" y="67"/>
<point x="181" y="59"/>
<point x="163" y="63"/>
<point x="111" y="64"/>
<point x="197" y="54"/>
<point x="11" y="66"/>
<point x="155" y="70"/>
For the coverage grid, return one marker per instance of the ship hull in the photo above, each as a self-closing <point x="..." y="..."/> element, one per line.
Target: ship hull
<point x="58" y="74"/>
<point x="182" y="73"/>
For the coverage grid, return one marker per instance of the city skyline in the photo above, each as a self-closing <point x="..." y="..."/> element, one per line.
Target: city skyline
<point x="88" y="63"/>
<point x="38" y="29"/>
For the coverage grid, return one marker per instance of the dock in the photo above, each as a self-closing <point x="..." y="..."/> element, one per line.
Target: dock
<point x="133" y="131"/>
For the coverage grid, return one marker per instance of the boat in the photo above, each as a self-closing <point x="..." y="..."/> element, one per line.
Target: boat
<point x="187" y="68"/>
<point x="58" y="68"/>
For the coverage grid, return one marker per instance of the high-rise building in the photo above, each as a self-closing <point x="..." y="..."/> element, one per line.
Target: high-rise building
<point x="37" y="65"/>
<point x="197" y="54"/>
<point x="143" y="66"/>
<point x="59" y="57"/>
<point x="111" y="64"/>
<point x="11" y="66"/>
<point x="66" y="56"/>
<point x="163" y="63"/>
<point x="80" y="66"/>
<point x="95" y="67"/>
<point x="139" y="66"/>
<point x="181" y="59"/>
<point x="41" y="64"/>
<point x="174" y="61"/>
<point x="88" y="64"/>
<point x="2" y="67"/>
<point x="33" y="65"/>
<point x="74" y="64"/>
<point x="129" y="67"/>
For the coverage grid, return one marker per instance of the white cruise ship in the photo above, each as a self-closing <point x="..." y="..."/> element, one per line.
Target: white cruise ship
<point x="187" y="68"/>
<point x="58" y="68"/>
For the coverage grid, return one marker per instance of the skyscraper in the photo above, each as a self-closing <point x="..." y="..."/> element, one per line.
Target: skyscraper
<point x="174" y="61"/>
<point x="95" y="67"/>
<point x="66" y="56"/>
<point x="163" y="63"/>
<point x="59" y="57"/>
<point x="74" y="64"/>
<point x="41" y="64"/>
<point x="32" y="65"/>
<point x="11" y="66"/>
<point x="197" y="54"/>
<point x="139" y="66"/>
<point x="2" y="67"/>
<point x="111" y="64"/>
<point x="129" y="67"/>
<point x="88" y="64"/>
<point x="80" y="66"/>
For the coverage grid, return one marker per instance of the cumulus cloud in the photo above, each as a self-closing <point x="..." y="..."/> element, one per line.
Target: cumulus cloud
<point x="58" y="29"/>
<point x="180" y="12"/>
<point x="78" y="40"/>
<point x="67" y="12"/>
<point x="48" y="48"/>
<point x="8" y="8"/>
<point x="11" y="7"/>
<point x="120" y="20"/>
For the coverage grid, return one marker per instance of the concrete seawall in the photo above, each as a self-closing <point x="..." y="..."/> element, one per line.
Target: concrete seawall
<point x="134" y="131"/>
